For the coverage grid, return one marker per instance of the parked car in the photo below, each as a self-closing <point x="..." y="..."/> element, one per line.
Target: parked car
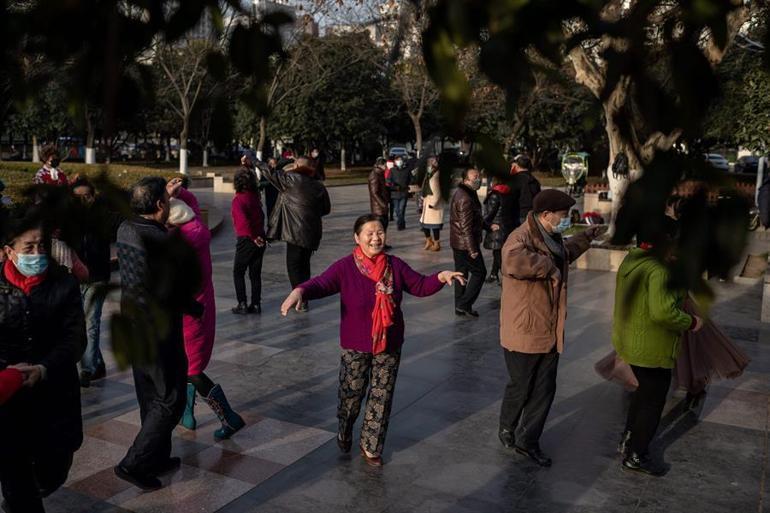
<point x="398" y="151"/>
<point x="717" y="161"/>
<point x="748" y="164"/>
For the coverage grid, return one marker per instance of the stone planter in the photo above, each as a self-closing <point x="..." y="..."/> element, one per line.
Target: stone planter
<point x="600" y="258"/>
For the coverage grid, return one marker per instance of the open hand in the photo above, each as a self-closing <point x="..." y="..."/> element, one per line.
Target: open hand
<point x="173" y="186"/>
<point x="449" y="276"/>
<point x="292" y="300"/>
<point x="593" y="232"/>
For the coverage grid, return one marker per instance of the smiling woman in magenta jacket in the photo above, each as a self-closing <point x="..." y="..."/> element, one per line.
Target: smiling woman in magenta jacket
<point x="371" y="285"/>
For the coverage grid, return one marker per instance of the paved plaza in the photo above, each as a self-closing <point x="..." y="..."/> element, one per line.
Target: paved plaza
<point x="442" y="452"/>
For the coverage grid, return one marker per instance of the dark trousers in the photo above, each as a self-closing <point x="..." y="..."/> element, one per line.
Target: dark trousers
<point x="357" y="370"/>
<point x="28" y="475"/>
<point x="435" y="232"/>
<point x="399" y="204"/>
<point x="248" y="256"/>
<point x="474" y="271"/>
<point x="528" y="395"/>
<point x="297" y="264"/>
<point x="271" y="196"/>
<point x="384" y="222"/>
<point x="497" y="261"/>
<point x="646" y="406"/>
<point x="161" y="391"/>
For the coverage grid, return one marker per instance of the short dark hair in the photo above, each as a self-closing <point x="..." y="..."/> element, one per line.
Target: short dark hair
<point x="48" y="151"/>
<point x="380" y="161"/>
<point x="186" y="181"/>
<point x="21" y="221"/>
<point x="468" y="170"/>
<point x="146" y="193"/>
<point x="82" y="182"/>
<point x="523" y="161"/>
<point x="245" y="180"/>
<point x="362" y="220"/>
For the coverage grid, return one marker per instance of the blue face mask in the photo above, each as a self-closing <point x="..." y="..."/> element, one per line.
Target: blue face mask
<point x="31" y="265"/>
<point x="563" y="225"/>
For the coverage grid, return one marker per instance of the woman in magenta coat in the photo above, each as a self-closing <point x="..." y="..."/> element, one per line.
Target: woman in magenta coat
<point x="184" y="214"/>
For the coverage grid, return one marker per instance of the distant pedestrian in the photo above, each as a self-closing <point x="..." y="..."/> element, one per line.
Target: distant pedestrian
<point x="533" y="311"/>
<point x="99" y="226"/>
<point x="524" y="185"/>
<point x="371" y="285"/>
<point x="319" y="163"/>
<point x="199" y="331"/>
<point x="466" y="227"/>
<point x="296" y="220"/>
<point x="499" y="210"/>
<point x="432" y="217"/>
<point x="249" y="225"/>
<point x="50" y="174"/>
<point x="271" y="193"/>
<point x="379" y="192"/>
<point x="400" y="178"/>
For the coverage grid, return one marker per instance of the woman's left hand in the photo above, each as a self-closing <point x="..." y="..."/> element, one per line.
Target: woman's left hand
<point x="449" y="276"/>
<point x="32" y="373"/>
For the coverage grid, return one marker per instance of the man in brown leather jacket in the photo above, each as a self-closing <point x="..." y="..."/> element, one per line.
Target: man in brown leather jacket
<point x="466" y="224"/>
<point x="379" y="194"/>
<point x="533" y="311"/>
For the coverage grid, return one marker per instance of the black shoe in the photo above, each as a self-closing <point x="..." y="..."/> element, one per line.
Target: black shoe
<point x="401" y="228"/>
<point x="344" y="444"/>
<point x="462" y="311"/>
<point x="146" y="483"/>
<point x="535" y="454"/>
<point x="99" y="373"/>
<point x="255" y="308"/>
<point x="85" y="379"/>
<point x="493" y="278"/>
<point x="623" y="445"/>
<point x="506" y="438"/>
<point x="241" y="309"/>
<point x="692" y="401"/>
<point x="170" y="465"/>
<point x="642" y="464"/>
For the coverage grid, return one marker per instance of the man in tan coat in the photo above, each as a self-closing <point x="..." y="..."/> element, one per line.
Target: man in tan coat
<point x="533" y="310"/>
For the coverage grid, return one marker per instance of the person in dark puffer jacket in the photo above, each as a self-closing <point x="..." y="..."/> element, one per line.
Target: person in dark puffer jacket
<point x="499" y="209"/>
<point x="43" y="336"/>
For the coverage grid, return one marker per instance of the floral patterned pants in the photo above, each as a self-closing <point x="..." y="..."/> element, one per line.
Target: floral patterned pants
<point x="357" y="370"/>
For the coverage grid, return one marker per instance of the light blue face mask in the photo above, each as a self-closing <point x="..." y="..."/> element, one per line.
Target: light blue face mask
<point x="31" y="265"/>
<point x="563" y="226"/>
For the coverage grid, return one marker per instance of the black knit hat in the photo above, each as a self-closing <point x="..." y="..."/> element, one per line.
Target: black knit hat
<point x="552" y="200"/>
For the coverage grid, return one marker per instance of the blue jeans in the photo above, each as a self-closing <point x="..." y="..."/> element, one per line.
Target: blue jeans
<point x="92" y="305"/>
<point x="399" y="205"/>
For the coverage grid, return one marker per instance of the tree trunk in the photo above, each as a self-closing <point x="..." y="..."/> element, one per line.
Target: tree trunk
<point x="342" y="159"/>
<point x="35" y="150"/>
<point x="24" y="148"/>
<point x="183" y="148"/>
<point x="168" y="149"/>
<point x="262" y="137"/>
<point x="90" y="151"/>
<point x="417" y="133"/>
<point x="206" y="156"/>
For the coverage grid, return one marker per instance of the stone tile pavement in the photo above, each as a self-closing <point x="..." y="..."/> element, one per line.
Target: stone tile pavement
<point x="442" y="453"/>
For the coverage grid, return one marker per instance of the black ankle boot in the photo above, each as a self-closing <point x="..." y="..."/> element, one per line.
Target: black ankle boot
<point x="241" y="309"/>
<point x="255" y="308"/>
<point x="642" y="464"/>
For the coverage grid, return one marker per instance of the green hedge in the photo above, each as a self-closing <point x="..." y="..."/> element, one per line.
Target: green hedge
<point x="17" y="176"/>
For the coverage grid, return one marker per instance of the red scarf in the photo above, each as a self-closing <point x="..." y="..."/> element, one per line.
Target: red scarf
<point x="378" y="270"/>
<point x="501" y="188"/>
<point x="18" y="280"/>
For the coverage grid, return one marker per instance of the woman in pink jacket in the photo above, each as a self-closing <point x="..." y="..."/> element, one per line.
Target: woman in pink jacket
<point x="199" y="332"/>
